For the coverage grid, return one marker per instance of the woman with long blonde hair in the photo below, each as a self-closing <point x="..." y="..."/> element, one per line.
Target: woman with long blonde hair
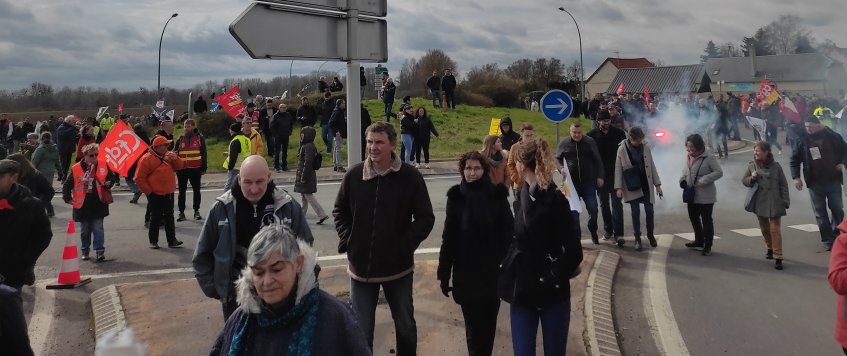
<point x="544" y="254"/>
<point x="492" y="149"/>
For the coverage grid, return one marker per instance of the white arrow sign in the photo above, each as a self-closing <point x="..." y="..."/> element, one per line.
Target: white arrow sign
<point x="562" y="105"/>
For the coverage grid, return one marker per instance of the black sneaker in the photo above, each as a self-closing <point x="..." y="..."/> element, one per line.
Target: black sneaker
<point x="778" y="264"/>
<point x="695" y="244"/>
<point x="652" y="240"/>
<point x="341" y="170"/>
<point x="707" y="251"/>
<point x="607" y="236"/>
<point x="101" y="256"/>
<point x="619" y="241"/>
<point x="85" y="256"/>
<point x="181" y="216"/>
<point x="154" y="246"/>
<point x="769" y="255"/>
<point x="176" y="244"/>
<point x="595" y="239"/>
<point x="285" y="169"/>
<point x="638" y="244"/>
<point x="321" y="221"/>
<point x="197" y="215"/>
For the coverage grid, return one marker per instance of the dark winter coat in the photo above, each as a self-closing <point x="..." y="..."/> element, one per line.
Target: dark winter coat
<point x="408" y="125"/>
<point x="388" y="92"/>
<point x="448" y="83"/>
<point x="39" y="187"/>
<point x="771" y="198"/>
<point x="507" y="139"/>
<point x="282" y="124"/>
<point x="607" y="145"/>
<point x="322" y="86"/>
<point x="307" y="180"/>
<point x="584" y="162"/>
<point x="265" y="120"/>
<point x="471" y="259"/>
<point x="433" y="83"/>
<point x="67" y="136"/>
<point x="307" y="115"/>
<point x="338" y="121"/>
<point x="800" y="153"/>
<point x="200" y="105"/>
<point x="381" y="220"/>
<point x="425" y="128"/>
<point x="92" y="207"/>
<point x="26" y="233"/>
<point x="46" y="160"/>
<point x="549" y="245"/>
<point x="327" y="108"/>
<point x="336" y="85"/>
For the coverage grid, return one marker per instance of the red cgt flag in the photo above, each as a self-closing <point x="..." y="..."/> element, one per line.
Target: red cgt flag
<point x="646" y="95"/>
<point x="121" y="108"/>
<point x="620" y="89"/>
<point x="121" y="148"/>
<point x="231" y="101"/>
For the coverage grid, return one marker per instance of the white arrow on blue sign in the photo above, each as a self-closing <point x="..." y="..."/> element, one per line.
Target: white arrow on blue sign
<point x="556" y="105"/>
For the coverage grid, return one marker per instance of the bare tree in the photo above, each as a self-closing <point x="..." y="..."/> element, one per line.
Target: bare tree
<point x="520" y="69"/>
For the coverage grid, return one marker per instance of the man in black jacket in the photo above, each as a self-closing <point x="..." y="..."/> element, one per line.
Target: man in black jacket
<point x="200" y="105"/>
<point x="67" y="135"/>
<point x="388" y="98"/>
<point x="382" y="213"/>
<point x="823" y="155"/>
<point x="586" y="171"/>
<point x="306" y="113"/>
<point x="607" y="138"/>
<point x="448" y="84"/>
<point x="434" y="86"/>
<point x="508" y="136"/>
<point x="327" y="107"/>
<point x="281" y="126"/>
<point x="26" y="228"/>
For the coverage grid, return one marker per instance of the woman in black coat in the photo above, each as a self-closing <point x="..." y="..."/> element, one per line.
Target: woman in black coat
<point x="477" y="231"/>
<point x="36" y="182"/>
<point x="421" y="140"/>
<point x="546" y="252"/>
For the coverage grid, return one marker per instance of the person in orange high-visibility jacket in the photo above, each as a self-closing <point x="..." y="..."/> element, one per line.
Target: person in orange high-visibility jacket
<point x="191" y="148"/>
<point x="83" y="189"/>
<point x="155" y="178"/>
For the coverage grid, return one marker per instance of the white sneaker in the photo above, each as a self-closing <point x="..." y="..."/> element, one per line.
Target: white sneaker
<point x="426" y="166"/>
<point x="417" y="165"/>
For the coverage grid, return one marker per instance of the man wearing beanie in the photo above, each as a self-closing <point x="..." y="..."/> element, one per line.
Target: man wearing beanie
<point x="155" y="177"/>
<point x="239" y="149"/>
<point x="822" y="154"/>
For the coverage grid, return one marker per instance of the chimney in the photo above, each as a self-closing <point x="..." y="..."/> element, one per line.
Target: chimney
<point x="753" y="60"/>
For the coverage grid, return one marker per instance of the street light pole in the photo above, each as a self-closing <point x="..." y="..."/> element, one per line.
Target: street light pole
<point x="581" y="65"/>
<point x="159" y="76"/>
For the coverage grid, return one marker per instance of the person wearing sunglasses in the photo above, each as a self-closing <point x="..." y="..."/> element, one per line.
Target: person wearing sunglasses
<point x="84" y="189"/>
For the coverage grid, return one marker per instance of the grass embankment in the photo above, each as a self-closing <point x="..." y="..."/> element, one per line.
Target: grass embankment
<point x="460" y="130"/>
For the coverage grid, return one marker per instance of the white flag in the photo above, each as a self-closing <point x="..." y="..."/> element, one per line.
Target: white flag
<point x="840" y="113"/>
<point x="569" y="190"/>
<point x="170" y="114"/>
<point x="758" y="124"/>
<point x="160" y="104"/>
<point x="100" y="112"/>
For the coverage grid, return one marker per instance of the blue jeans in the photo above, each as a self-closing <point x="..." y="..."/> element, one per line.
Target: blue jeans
<point x="270" y="143"/>
<point x="230" y="179"/>
<point x="612" y="215"/>
<point x="398" y="293"/>
<point x="587" y="191"/>
<point x="733" y="126"/>
<point x="555" y="321"/>
<point x="823" y="195"/>
<point x="87" y="228"/>
<point x="130" y="182"/>
<point x="389" y="107"/>
<point x="408" y="141"/>
<point x="326" y="135"/>
<point x="636" y="215"/>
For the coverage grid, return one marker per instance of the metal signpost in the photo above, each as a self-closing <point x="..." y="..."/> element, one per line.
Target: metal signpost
<point x="556" y="105"/>
<point x="327" y="30"/>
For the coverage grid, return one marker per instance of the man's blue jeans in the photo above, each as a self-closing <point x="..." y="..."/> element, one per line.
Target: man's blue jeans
<point x="389" y="107"/>
<point x="587" y="191"/>
<point x="636" y="215"/>
<point x="733" y="126"/>
<point x="326" y="135"/>
<point x="823" y="195"/>
<point x="230" y="178"/>
<point x="398" y="293"/>
<point x="555" y="322"/>
<point x="88" y="228"/>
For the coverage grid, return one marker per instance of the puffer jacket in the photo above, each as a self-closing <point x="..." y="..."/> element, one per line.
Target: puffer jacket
<point x="214" y="255"/>
<point x="46" y="160"/>
<point x="307" y="180"/>
<point x="703" y="173"/>
<point x="771" y="199"/>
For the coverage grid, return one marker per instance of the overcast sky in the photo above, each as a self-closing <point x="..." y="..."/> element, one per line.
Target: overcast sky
<point x="113" y="43"/>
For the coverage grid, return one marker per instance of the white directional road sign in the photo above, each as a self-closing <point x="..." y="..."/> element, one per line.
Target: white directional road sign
<point x="378" y="8"/>
<point x="269" y="31"/>
<point x="556" y="105"/>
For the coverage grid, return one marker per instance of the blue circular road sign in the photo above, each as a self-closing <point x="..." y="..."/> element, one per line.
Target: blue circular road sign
<point x="556" y="105"/>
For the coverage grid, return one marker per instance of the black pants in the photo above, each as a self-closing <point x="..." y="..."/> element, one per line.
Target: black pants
<point x="448" y="98"/>
<point x="701" y="221"/>
<point x="281" y="152"/>
<point x="161" y="208"/>
<point x="612" y="213"/>
<point x="229" y="305"/>
<point x="65" y="161"/>
<point x="13" y="329"/>
<point x="480" y="326"/>
<point x="422" y="144"/>
<point x="183" y="177"/>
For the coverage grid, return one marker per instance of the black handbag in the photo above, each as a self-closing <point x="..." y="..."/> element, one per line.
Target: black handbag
<point x="631" y="175"/>
<point x="509" y="286"/>
<point x="689" y="191"/>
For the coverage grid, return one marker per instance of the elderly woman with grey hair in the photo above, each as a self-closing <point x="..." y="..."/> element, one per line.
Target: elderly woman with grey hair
<point x="282" y="311"/>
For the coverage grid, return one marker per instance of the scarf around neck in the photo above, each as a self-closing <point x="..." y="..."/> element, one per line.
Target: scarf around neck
<point x="304" y="315"/>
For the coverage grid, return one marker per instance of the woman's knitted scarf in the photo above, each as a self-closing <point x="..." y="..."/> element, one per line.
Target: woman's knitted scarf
<point x="304" y="313"/>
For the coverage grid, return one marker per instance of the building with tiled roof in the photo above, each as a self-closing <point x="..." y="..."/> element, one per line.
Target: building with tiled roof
<point x="599" y="81"/>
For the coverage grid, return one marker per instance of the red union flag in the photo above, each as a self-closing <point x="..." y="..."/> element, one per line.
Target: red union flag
<point x="121" y="108"/>
<point x="231" y="101"/>
<point x="620" y="89"/>
<point x="121" y="148"/>
<point x="767" y="89"/>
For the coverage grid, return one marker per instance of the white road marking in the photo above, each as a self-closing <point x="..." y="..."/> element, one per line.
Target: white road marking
<point x="42" y="317"/>
<point x="806" y="227"/>
<point x="690" y="236"/>
<point x="749" y="232"/>
<point x="658" y="309"/>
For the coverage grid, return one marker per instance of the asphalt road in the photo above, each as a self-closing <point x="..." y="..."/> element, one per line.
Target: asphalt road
<point x="731" y="303"/>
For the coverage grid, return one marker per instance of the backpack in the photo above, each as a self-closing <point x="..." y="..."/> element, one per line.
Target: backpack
<point x="317" y="160"/>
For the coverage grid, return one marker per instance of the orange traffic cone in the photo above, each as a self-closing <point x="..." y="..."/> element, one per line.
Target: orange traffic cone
<point x="69" y="276"/>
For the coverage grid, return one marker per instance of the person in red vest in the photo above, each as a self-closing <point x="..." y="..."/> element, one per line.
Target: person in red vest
<point x="191" y="148"/>
<point x="83" y="189"/>
<point x="155" y="178"/>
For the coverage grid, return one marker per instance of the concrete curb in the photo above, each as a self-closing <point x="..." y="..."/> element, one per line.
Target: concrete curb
<point x="601" y="337"/>
<point x="108" y="311"/>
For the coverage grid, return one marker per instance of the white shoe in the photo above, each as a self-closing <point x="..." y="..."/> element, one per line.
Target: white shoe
<point x="426" y="166"/>
<point x="417" y="165"/>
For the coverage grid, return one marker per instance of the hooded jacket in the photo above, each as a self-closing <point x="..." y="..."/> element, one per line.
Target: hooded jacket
<point x="307" y="180"/>
<point x="26" y="233"/>
<point x="508" y="138"/>
<point x="381" y="220"/>
<point x="336" y="331"/>
<point x="214" y="256"/>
